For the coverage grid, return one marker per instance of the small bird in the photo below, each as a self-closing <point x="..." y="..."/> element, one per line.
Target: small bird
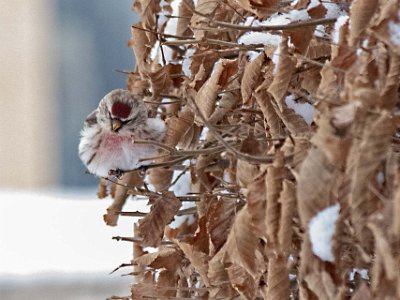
<point x="109" y="132"/>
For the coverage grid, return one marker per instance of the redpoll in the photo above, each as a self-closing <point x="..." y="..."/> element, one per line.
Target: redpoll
<point x="109" y="132"/>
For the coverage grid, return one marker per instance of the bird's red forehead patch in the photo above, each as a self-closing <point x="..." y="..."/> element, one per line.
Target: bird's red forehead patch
<point x="120" y="110"/>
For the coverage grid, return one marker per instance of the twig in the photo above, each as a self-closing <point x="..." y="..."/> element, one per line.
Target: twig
<point x="213" y="42"/>
<point x="124" y="72"/>
<point x="121" y="266"/>
<point x="241" y="155"/>
<point x="162" y="103"/>
<point x="263" y="27"/>
<point x="179" y="176"/>
<point x="289" y="26"/>
<point x="163" y="34"/>
<point x="153" y="157"/>
<point x="155" y="143"/>
<point x="182" y="212"/>
<point x="137" y="240"/>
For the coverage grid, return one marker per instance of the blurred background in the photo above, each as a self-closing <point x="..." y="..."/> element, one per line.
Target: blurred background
<point x="57" y="60"/>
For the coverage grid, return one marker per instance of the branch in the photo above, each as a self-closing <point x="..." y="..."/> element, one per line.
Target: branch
<point x="289" y="26"/>
<point x="241" y="155"/>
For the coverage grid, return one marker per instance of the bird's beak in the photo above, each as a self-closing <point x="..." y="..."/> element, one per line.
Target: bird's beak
<point x="116" y="124"/>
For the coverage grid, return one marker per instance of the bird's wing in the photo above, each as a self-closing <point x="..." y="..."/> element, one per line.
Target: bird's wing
<point x="91" y="119"/>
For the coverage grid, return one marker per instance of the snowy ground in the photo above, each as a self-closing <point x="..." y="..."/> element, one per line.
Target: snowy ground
<point x="50" y="241"/>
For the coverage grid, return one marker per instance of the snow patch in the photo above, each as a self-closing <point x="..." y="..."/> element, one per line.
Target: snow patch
<point x="265" y="38"/>
<point x="362" y="272"/>
<point x="339" y="23"/>
<point x="59" y="232"/>
<point x="306" y="110"/>
<point x="320" y="31"/>
<point x="252" y="55"/>
<point x="187" y="61"/>
<point x="394" y="31"/>
<point x="321" y="229"/>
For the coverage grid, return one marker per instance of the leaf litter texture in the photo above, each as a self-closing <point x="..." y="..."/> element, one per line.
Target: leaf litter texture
<point x="258" y="172"/>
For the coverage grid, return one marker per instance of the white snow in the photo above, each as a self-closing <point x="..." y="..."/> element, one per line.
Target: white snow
<point x="320" y="31"/>
<point x="394" y="31"/>
<point x="362" y="272"/>
<point x="306" y="110"/>
<point x="275" y="58"/>
<point x="334" y="10"/>
<point x="172" y="23"/>
<point x="55" y="232"/>
<point x="252" y="55"/>
<point x="187" y="61"/>
<point x="265" y="38"/>
<point x="380" y="177"/>
<point x="321" y="229"/>
<point x="170" y="28"/>
<point x="339" y="23"/>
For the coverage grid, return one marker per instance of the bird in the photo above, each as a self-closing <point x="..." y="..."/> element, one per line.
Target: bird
<point x="107" y="140"/>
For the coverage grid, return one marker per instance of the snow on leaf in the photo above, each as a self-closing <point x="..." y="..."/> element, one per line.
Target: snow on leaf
<point x="321" y="229"/>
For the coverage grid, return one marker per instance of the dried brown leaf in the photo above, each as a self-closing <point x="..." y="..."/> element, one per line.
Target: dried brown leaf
<point x="220" y="215"/>
<point x="310" y="80"/>
<point x="362" y="293"/>
<point x="185" y="14"/>
<point x="278" y="286"/>
<point x="242" y="243"/>
<point x="246" y="172"/>
<point x="207" y="94"/>
<point x="295" y="123"/>
<point x="301" y="37"/>
<point x="251" y="78"/>
<point x="275" y="125"/>
<point x="201" y="66"/>
<point x="287" y="200"/>
<point x="315" y="181"/>
<point x="151" y="227"/>
<point x="372" y="150"/>
<point x="242" y="281"/>
<point x="361" y="12"/>
<point x="273" y="186"/>
<point x="383" y="249"/>
<point x="140" y="45"/>
<point x="166" y="284"/>
<point x="145" y="288"/>
<point x="177" y="127"/>
<point x="285" y="69"/>
<point x="228" y="101"/>
<point x="198" y="259"/>
<point x="262" y="8"/>
<point x="219" y="280"/>
<point x="321" y="284"/>
<point x="168" y="258"/>
<point x="147" y="10"/>
<point x="329" y="87"/>
<point x="102" y="193"/>
<point x="318" y="49"/>
<point x="131" y="179"/>
<point x="256" y="204"/>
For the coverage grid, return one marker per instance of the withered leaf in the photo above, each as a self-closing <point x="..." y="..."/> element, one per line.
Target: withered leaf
<point x="285" y="69"/>
<point x="242" y="243"/>
<point x="242" y="281"/>
<point x="207" y="94"/>
<point x="168" y="258"/>
<point x="251" y="78"/>
<point x="151" y="227"/>
<point x="220" y="215"/>
<point x="198" y="259"/>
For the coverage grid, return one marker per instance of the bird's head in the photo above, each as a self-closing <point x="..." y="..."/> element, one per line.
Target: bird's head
<point x="121" y="111"/>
